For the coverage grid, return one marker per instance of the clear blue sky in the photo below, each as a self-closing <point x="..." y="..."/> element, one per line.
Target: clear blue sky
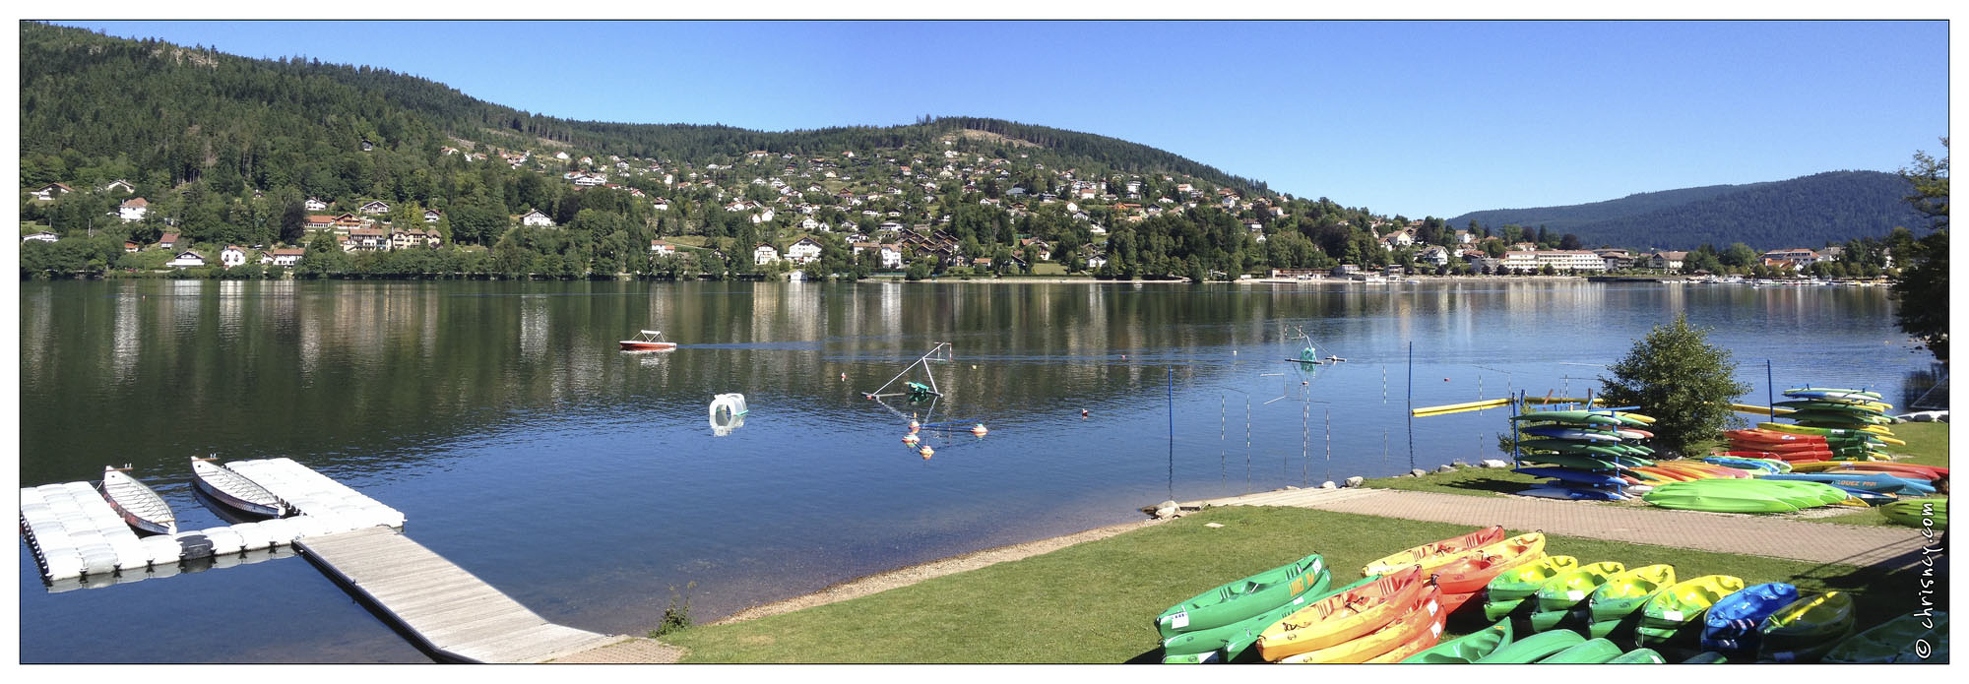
<point x="1425" y="118"/>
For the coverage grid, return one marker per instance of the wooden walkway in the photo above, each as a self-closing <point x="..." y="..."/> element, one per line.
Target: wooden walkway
<point x="450" y="613"/>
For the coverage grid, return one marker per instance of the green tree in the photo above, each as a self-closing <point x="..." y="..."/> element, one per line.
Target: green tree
<point x="1676" y="376"/>
<point x="1922" y="288"/>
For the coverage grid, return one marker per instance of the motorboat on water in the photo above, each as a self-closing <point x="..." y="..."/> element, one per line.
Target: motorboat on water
<point x="234" y="490"/>
<point x="648" y="340"/>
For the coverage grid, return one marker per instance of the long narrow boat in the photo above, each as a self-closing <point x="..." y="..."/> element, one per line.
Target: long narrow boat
<point x="1434" y="554"/>
<point x="1625" y="593"/>
<point x="1342" y="617"/>
<point x="1731" y="626"/>
<point x="1242" y="599"/>
<point x="1232" y="642"/>
<point x="1420" y="617"/>
<point x="1805" y="630"/>
<point x="1571" y="588"/>
<point x="1917" y="513"/>
<point x="234" y="490"/>
<point x="648" y="340"/>
<point x="1675" y="615"/>
<point x="141" y="507"/>
<point x="1472" y="571"/>
<point x="1468" y="648"/>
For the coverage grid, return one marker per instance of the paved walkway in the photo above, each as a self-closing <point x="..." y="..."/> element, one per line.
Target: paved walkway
<point x="1774" y="537"/>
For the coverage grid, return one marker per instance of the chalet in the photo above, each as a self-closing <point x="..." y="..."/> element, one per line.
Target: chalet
<point x="119" y="186"/>
<point x="535" y="218"/>
<point x="232" y="255"/>
<point x="133" y="209"/>
<point x="1666" y="261"/>
<point x="433" y="216"/>
<point x="374" y="208"/>
<point x="186" y="259"/>
<point x="168" y="241"/>
<point x="129" y="246"/>
<point x="806" y="250"/>
<point x="764" y="254"/>
<point x="405" y="238"/>
<point x="1433" y="254"/>
<point x="367" y="240"/>
<point x="1398" y="239"/>
<point x="1616" y="259"/>
<point x="282" y="256"/>
<point x="660" y="204"/>
<point x="661" y="248"/>
<point x="1038" y="248"/>
<point x="314" y="204"/>
<point x="51" y="191"/>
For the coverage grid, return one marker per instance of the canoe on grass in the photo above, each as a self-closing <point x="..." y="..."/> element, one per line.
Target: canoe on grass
<point x="1421" y="616"/>
<point x="1523" y="581"/>
<point x="1588" y="652"/>
<point x="1234" y="643"/>
<point x="1468" y="648"/>
<point x="1245" y="598"/>
<point x="1434" y="554"/>
<point x="1731" y="626"/>
<point x="1807" y="629"/>
<point x="1341" y="617"/>
<point x="1625" y="593"/>
<point x="1917" y="513"/>
<point x="1878" y="482"/>
<point x="1473" y="571"/>
<point x="1571" y="588"/>
<point x="1900" y="640"/>
<point x="1533" y="648"/>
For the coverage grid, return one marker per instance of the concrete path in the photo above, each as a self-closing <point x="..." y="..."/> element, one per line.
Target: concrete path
<point x="1775" y="537"/>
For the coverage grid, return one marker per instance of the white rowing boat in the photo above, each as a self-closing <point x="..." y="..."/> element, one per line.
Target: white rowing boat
<point x="234" y="490"/>
<point x="142" y="508"/>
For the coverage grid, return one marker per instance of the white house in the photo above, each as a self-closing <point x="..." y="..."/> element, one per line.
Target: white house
<point x="1667" y="261"/>
<point x="186" y="259"/>
<point x="764" y="254"/>
<point x="661" y="248"/>
<point x="232" y="256"/>
<point x="891" y="256"/>
<point x="314" y="204"/>
<point x="432" y="215"/>
<point x="535" y="218"/>
<point x="803" y="251"/>
<point x="119" y="185"/>
<point x="282" y="256"/>
<point x="43" y="236"/>
<point x="133" y="209"/>
<point x="51" y="191"/>
<point x="375" y="208"/>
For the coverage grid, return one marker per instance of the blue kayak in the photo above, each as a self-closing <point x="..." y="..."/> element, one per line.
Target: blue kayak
<point x="1874" y="482"/>
<point x="1730" y="627"/>
<point x="1573" y="493"/>
<point x="1574" y="476"/>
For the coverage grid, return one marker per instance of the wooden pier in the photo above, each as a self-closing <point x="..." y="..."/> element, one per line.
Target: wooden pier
<point x="448" y="612"/>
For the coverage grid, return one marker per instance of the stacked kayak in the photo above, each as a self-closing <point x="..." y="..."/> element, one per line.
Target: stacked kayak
<point x="1799" y="443"/>
<point x="1906" y="639"/>
<point x="1582" y="454"/>
<point x="1760" y="495"/>
<point x="1840" y="409"/>
<point x="1558" y="598"/>
<point x="1807" y="629"/>
<point x="1205" y="623"/>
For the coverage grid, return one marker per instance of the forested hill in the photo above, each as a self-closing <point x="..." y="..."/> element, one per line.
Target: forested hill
<point x="1811" y="211"/>
<point x="90" y="98"/>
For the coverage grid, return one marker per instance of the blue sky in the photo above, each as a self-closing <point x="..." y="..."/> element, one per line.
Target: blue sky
<point x="1419" y="118"/>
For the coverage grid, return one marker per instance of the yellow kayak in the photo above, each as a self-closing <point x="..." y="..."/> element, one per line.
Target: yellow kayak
<point x="1434" y="554"/>
<point x="1344" y="616"/>
<point x="1572" y="587"/>
<point x="1423" y="616"/>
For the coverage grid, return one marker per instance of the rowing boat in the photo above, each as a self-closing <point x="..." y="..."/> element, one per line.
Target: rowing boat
<point x="235" y="490"/>
<point x="1245" y="598"/>
<point x="648" y="340"/>
<point x="139" y="506"/>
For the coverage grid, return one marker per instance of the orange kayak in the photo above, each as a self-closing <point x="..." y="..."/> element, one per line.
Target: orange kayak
<point x="1342" y="617"/>
<point x="1451" y="602"/>
<point x="1434" y="554"/>
<point x="1422" y="642"/>
<point x="1418" y="617"/>
<point x="1472" y="571"/>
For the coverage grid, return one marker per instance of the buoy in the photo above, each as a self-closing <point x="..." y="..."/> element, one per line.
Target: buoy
<point x="1445" y="379"/>
<point x="974" y="366"/>
<point x="909" y="438"/>
<point x="1083" y="413"/>
<point x="926" y="451"/>
<point x="1124" y="357"/>
<point x="979" y="430"/>
<point x="844" y="377"/>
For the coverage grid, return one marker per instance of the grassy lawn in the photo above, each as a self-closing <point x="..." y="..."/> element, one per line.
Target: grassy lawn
<point x="1095" y="602"/>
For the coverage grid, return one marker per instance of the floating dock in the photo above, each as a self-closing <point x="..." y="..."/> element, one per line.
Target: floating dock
<point x="78" y="539"/>
<point x="448" y="612"/>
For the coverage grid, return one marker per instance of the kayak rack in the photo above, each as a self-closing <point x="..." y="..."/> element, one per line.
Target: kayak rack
<point x="912" y="389"/>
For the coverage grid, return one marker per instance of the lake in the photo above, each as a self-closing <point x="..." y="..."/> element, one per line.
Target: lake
<point x="590" y="484"/>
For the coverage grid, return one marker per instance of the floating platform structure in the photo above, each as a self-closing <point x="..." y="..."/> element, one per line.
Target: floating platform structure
<point x="79" y="540"/>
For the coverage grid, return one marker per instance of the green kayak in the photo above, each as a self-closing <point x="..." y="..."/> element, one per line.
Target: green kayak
<point x="1534" y="648"/>
<point x="1230" y="643"/>
<point x="1245" y="598"/>
<point x="1571" y="588"/>
<point x="1468" y="648"/>
<point x="1675" y="615"/>
<point x="1569" y="417"/>
<point x="1564" y="618"/>
<point x="1639" y="655"/>
<point x="1912" y="512"/>
<point x="1905" y="639"/>
<point x="1523" y="581"/>
<point x="1588" y="652"/>
<point x="1623" y="594"/>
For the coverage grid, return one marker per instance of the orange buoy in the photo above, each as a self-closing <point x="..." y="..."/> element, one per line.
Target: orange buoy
<point x="979" y="430"/>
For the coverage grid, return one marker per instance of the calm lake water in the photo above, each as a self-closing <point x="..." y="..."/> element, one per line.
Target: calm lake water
<point x="590" y="485"/>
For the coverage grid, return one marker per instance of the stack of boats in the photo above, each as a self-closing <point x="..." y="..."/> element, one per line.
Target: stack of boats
<point x="1540" y="609"/>
<point x="1583" y="454"/>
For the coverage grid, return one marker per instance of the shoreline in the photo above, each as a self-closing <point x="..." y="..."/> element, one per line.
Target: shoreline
<point x="905" y="576"/>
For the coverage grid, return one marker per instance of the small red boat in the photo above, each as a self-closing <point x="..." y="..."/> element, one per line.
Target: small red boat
<point x="648" y="340"/>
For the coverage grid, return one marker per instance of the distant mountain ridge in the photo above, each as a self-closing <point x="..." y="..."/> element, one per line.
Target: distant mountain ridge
<point x="1809" y="211"/>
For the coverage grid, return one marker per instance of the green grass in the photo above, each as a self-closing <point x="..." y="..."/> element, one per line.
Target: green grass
<point x="1095" y="602"/>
